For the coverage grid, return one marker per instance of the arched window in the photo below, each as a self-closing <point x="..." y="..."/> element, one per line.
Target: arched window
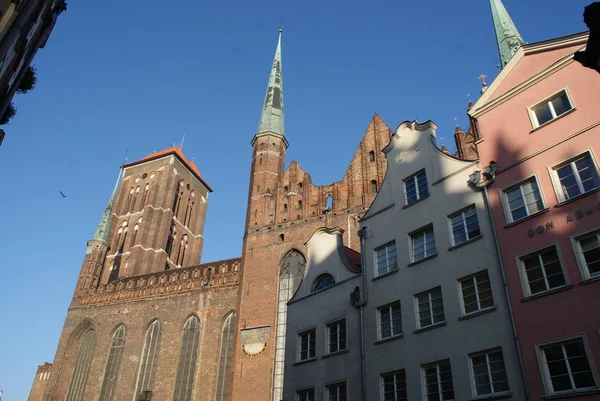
<point x="372" y="156"/>
<point x="182" y="248"/>
<point x="171" y="240"/>
<point x="177" y="201"/>
<point x="187" y="211"/>
<point x="188" y="354"/>
<point x="322" y="281"/>
<point x="133" y="198"/>
<point x="130" y="199"/>
<point x="82" y="367"/>
<point x="121" y="236"/>
<point x="145" y="198"/>
<point x="290" y="277"/>
<point x="111" y="373"/>
<point x="329" y="202"/>
<point x="225" y="359"/>
<point x="145" y="382"/>
<point x="136" y="228"/>
<point x="373" y="186"/>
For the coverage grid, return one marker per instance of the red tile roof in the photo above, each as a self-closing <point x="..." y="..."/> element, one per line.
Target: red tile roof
<point x="175" y="150"/>
<point x="354" y="259"/>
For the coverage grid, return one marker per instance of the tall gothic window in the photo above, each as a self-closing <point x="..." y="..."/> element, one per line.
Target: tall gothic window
<point x="182" y="247"/>
<point x="171" y="240"/>
<point x="290" y="277"/>
<point x="188" y="354"/>
<point x="133" y="198"/>
<point x="145" y="198"/>
<point x="115" y="353"/>
<point x="177" y="201"/>
<point x="145" y="382"/>
<point x="82" y="367"/>
<point x="135" y="231"/>
<point x="130" y="199"/>
<point x="225" y="359"/>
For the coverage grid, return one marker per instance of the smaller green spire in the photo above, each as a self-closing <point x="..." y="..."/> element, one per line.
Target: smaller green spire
<point x="508" y="37"/>
<point x="103" y="228"/>
<point x="271" y="117"/>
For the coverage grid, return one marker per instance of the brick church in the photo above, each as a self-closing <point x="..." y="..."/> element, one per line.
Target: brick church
<point x="147" y="322"/>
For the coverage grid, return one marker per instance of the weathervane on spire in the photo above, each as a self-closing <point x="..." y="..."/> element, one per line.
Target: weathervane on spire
<point x="482" y="78"/>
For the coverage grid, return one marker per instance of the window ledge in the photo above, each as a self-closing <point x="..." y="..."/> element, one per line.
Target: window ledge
<point x="336" y="353"/>
<point x="305" y="361"/>
<point x="425" y="259"/>
<point x="590" y="280"/>
<point x="433" y="326"/>
<point x="576" y="198"/>
<point x="478" y="313"/>
<point x="492" y="397"/>
<point x="531" y="216"/>
<point x="549" y="292"/>
<point x="415" y="202"/>
<point x="388" y="339"/>
<point x="385" y="274"/>
<point x="467" y="242"/>
<point x="572" y="394"/>
<point x="539" y="127"/>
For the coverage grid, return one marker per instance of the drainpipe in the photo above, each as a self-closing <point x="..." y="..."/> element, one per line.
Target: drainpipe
<point x="362" y="234"/>
<point x="510" y="312"/>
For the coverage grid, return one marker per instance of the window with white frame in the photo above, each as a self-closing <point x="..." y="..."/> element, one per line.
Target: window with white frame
<point x="576" y="177"/>
<point x="305" y="395"/>
<point x="566" y="367"/>
<point x="438" y="381"/>
<point x="337" y="392"/>
<point x="393" y="386"/>
<point x="476" y="292"/>
<point x="390" y="320"/>
<point x="336" y="336"/>
<point x="588" y="253"/>
<point x="465" y="225"/>
<point x="551" y="108"/>
<point x="523" y="199"/>
<point x="416" y="187"/>
<point x="386" y="258"/>
<point x="489" y="373"/>
<point x="542" y="271"/>
<point x="423" y="244"/>
<point x="430" y="307"/>
<point x="307" y="340"/>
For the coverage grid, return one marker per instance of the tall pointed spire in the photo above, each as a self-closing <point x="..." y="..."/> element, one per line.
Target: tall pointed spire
<point x="507" y="35"/>
<point x="271" y="117"/>
<point x="103" y="228"/>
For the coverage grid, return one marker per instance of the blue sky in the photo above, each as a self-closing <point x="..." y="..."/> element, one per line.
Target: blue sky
<point x="136" y="76"/>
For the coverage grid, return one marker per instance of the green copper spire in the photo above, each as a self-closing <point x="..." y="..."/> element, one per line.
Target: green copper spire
<point x="103" y="228"/>
<point x="507" y="35"/>
<point x="271" y="117"/>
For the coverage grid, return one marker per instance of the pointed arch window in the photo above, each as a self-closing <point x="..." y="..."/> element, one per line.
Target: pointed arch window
<point x="322" y="281"/>
<point x="145" y="382"/>
<point x="182" y="247"/>
<point x="136" y="228"/>
<point x="111" y="373"/>
<point x="188" y="354"/>
<point x="121" y="237"/>
<point x="290" y="277"/>
<point x="133" y="198"/>
<point x="225" y="359"/>
<point x="171" y="240"/>
<point x="82" y="367"/>
<point x="145" y="198"/>
<point x="130" y="199"/>
<point x="177" y="201"/>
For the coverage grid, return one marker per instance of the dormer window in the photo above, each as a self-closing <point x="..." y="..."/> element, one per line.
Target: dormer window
<point x="550" y="109"/>
<point x="323" y="281"/>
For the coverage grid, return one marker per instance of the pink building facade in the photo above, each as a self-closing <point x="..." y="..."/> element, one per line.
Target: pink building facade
<point x="540" y="123"/>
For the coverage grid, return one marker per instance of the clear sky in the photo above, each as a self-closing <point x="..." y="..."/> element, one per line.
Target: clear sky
<point x="136" y="76"/>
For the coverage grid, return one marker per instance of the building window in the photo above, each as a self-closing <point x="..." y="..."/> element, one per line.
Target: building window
<point x="82" y="367"/>
<point x="372" y="156"/>
<point x="416" y="187"/>
<point x="523" y="199"/>
<point x="374" y="186"/>
<point x="145" y="198"/>
<point x="393" y="386"/>
<point x="225" y="359"/>
<point x="489" y="373"/>
<point x="171" y="240"/>
<point x="337" y="392"/>
<point x="542" y="271"/>
<point x="465" y="226"/>
<point x="148" y="362"/>
<point x="430" y="306"/>
<point x="438" y="381"/>
<point x="323" y="281"/>
<point x="188" y="354"/>
<point x="299" y="204"/>
<point x="336" y="336"/>
<point x="476" y="292"/>
<point x="566" y="367"/>
<point x="576" y="177"/>
<point x="588" y="253"/>
<point x="111" y="373"/>
<point x="551" y="108"/>
<point x="307" y="344"/>
<point x="386" y="258"/>
<point x="423" y="244"/>
<point x="306" y="394"/>
<point x="390" y="320"/>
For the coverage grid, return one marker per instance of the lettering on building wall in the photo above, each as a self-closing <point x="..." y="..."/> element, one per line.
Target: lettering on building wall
<point x="582" y="213"/>
<point x="540" y="229"/>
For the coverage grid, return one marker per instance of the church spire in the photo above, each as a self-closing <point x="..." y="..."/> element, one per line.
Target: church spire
<point x="271" y="117"/>
<point x="103" y="228"/>
<point x="507" y="35"/>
